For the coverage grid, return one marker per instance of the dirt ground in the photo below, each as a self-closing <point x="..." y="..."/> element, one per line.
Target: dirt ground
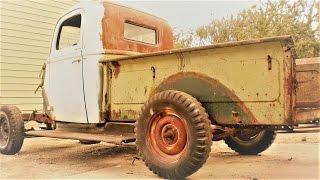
<point x="293" y="155"/>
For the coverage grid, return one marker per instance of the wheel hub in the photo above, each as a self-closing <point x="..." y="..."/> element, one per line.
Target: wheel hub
<point x="4" y="129"/>
<point x="167" y="134"/>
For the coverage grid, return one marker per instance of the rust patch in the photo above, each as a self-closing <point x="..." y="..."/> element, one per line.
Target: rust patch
<point x="227" y="108"/>
<point x="38" y="117"/>
<point x="308" y="84"/>
<point x="235" y="117"/>
<point x="181" y="59"/>
<point x="167" y="135"/>
<point x="219" y="133"/>
<point x="116" y="66"/>
<point x="124" y="114"/>
<point x="289" y="79"/>
<point x="107" y="114"/>
<point x="113" y="29"/>
<point x="307" y="115"/>
<point x="308" y="104"/>
<point x="131" y="114"/>
<point x="115" y="114"/>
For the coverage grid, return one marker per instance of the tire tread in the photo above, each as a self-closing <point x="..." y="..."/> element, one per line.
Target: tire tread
<point x="256" y="148"/>
<point x="16" y="130"/>
<point x="201" y="124"/>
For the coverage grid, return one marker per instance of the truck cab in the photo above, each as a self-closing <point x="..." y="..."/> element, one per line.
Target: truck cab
<point x="86" y="34"/>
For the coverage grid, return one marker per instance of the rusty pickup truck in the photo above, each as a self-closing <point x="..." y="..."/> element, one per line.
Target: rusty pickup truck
<point x="113" y="76"/>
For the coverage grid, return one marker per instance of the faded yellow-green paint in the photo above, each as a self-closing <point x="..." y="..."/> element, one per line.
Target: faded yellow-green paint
<point x="234" y="82"/>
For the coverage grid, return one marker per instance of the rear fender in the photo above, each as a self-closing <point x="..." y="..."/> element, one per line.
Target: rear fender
<point x="221" y="103"/>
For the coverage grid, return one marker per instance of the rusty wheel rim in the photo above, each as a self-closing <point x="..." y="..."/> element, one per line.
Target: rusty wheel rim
<point x="167" y="135"/>
<point x="4" y="130"/>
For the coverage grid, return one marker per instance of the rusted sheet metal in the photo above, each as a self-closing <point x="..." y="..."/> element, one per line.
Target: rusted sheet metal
<point x="85" y="136"/>
<point x="308" y="90"/>
<point x="116" y="66"/>
<point x="307" y="115"/>
<point x="214" y="46"/>
<point x="289" y="73"/>
<point x="219" y="133"/>
<point x="113" y="29"/>
<point x="117" y="133"/>
<point x="122" y="53"/>
<point x="124" y="114"/>
<point x="235" y="85"/>
<point x="230" y="108"/>
<point x="167" y="133"/>
<point x="308" y="82"/>
<point x="39" y="117"/>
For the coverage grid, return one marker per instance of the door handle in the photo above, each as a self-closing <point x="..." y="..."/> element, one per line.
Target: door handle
<point x="78" y="60"/>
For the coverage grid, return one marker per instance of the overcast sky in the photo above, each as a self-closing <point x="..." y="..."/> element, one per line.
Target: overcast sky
<point x="185" y="15"/>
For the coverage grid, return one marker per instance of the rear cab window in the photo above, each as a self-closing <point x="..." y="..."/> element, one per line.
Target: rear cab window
<point x="140" y="33"/>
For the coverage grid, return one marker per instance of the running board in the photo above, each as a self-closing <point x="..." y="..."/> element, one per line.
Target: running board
<point x="113" y="139"/>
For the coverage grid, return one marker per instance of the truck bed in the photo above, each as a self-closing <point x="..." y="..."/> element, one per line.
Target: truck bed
<point x="246" y="82"/>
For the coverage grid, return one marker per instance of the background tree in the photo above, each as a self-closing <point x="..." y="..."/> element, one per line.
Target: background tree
<point x="270" y="18"/>
<point x="183" y="40"/>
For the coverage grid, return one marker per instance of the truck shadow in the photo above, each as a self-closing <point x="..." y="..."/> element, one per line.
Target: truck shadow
<point x="102" y="155"/>
<point x="53" y="147"/>
<point x="108" y="151"/>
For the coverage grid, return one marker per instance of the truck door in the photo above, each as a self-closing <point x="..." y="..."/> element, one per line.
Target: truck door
<point x="65" y="76"/>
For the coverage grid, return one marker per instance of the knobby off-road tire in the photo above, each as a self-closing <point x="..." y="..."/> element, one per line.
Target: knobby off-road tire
<point x="11" y="130"/>
<point x="173" y="134"/>
<point x="251" y="142"/>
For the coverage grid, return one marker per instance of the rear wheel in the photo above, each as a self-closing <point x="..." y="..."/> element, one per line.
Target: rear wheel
<point x="250" y="142"/>
<point x="173" y="134"/>
<point x="11" y="130"/>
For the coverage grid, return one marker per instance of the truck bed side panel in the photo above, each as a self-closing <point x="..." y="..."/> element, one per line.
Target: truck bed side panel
<point x="249" y="83"/>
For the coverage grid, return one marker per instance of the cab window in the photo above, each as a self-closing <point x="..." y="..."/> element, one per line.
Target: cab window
<point x="69" y="32"/>
<point x="139" y="33"/>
